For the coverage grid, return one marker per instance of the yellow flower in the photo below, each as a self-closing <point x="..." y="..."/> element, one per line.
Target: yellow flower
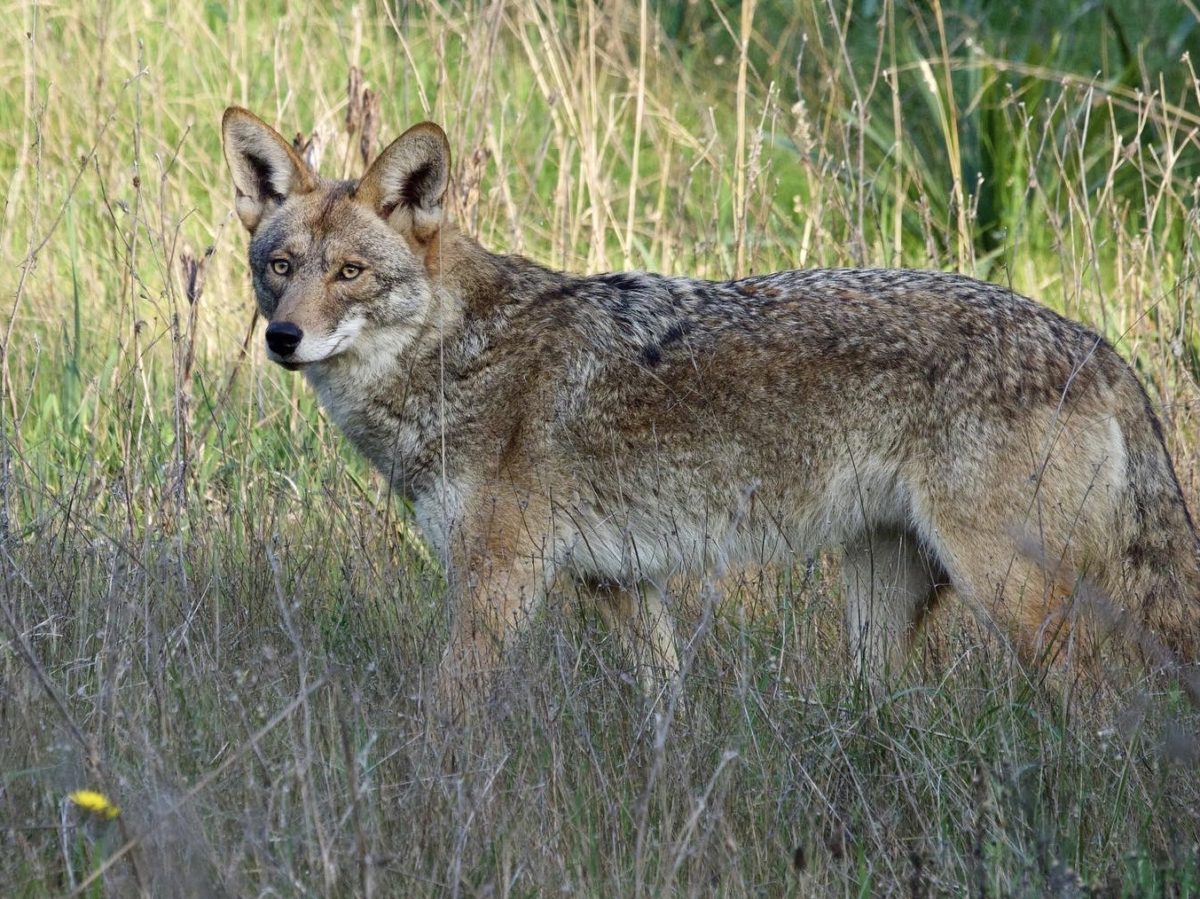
<point x="96" y="803"/>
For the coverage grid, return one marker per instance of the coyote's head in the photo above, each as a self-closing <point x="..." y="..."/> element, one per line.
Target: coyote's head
<point x="339" y="267"/>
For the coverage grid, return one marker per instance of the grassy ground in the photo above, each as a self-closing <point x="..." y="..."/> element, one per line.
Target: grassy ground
<point x="212" y="611"/>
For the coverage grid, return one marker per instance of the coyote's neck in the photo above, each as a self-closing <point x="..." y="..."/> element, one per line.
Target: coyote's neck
<point x="402" y="406"/>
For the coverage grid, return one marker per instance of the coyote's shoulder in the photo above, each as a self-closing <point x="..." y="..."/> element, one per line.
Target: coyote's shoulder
<point x="616" y="429"/>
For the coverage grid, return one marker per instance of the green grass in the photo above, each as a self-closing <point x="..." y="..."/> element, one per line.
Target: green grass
<point x="212" y="610"/>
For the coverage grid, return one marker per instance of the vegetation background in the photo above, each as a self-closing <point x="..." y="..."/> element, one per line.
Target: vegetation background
<point x="214" y="613"/>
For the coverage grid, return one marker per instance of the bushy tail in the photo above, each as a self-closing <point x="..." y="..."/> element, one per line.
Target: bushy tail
<point x="1160" y="581"/>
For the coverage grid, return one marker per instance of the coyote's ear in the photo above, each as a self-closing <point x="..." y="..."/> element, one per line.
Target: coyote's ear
<point x="265" y="168"/>
<point x="407" y="183"/>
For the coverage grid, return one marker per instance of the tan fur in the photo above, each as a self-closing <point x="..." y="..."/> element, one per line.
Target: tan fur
<point x="618" y="430"/>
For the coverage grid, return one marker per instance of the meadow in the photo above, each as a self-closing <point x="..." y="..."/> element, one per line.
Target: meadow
<point x="213" y="612"/>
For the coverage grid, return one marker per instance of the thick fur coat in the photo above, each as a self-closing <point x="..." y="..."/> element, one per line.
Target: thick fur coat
<point x="619" y="429"/>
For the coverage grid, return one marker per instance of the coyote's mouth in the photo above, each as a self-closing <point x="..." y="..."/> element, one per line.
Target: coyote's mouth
<point x="292" y="364"/>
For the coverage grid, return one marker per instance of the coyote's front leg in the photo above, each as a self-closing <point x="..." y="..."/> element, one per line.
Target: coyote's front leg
<point x="644" y="631"/>
<point x="497" y="574"/>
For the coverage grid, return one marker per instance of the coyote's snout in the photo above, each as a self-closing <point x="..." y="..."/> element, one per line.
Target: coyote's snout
<point x="618" y="429"/>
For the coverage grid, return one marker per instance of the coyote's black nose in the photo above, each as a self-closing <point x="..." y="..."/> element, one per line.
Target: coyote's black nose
<point x="283" y="338"/>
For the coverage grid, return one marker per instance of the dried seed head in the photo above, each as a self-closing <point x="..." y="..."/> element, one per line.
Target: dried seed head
<point x="193" y="274"/>
<point x="354" y="97"/>
<point x="839" y="841"/>
<point x="370" y="126"/>
<point x="310" y="148"/>
<point x="799" y="859"/>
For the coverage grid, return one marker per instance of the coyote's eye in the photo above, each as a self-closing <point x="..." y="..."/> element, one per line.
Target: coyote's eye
<point x="350" y="271"/>
<point x="280" y="266"/>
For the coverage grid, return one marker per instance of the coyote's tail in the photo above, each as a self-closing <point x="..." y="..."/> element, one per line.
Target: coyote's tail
<point x="1160" y="581"/>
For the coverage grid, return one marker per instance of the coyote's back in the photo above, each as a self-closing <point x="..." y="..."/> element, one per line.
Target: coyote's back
<point x="618" y="429"/>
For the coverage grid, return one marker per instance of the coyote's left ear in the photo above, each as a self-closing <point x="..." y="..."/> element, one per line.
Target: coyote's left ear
<point x="407" y="184"/>
<point x="266" y="170"/>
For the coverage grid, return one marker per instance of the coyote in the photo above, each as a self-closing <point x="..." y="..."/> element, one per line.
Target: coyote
<point x="615" y="430"/>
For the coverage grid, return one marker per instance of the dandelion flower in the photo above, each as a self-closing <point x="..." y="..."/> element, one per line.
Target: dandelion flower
<point x="96" y="803"/>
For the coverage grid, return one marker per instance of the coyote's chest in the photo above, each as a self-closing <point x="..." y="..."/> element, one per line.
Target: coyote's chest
<point x="395" y="431"/>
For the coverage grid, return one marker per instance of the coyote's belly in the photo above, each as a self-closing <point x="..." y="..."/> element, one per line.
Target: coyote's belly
<point x="650" y="525"/>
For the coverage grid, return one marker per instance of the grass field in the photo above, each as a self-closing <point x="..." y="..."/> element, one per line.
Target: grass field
<point x="213" y="612"/>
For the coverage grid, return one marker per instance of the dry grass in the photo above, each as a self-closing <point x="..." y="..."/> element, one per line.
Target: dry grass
<point x="214" y="613"/>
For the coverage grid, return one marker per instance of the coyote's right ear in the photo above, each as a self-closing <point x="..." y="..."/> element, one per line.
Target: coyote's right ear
<point x="266" y="170"/>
